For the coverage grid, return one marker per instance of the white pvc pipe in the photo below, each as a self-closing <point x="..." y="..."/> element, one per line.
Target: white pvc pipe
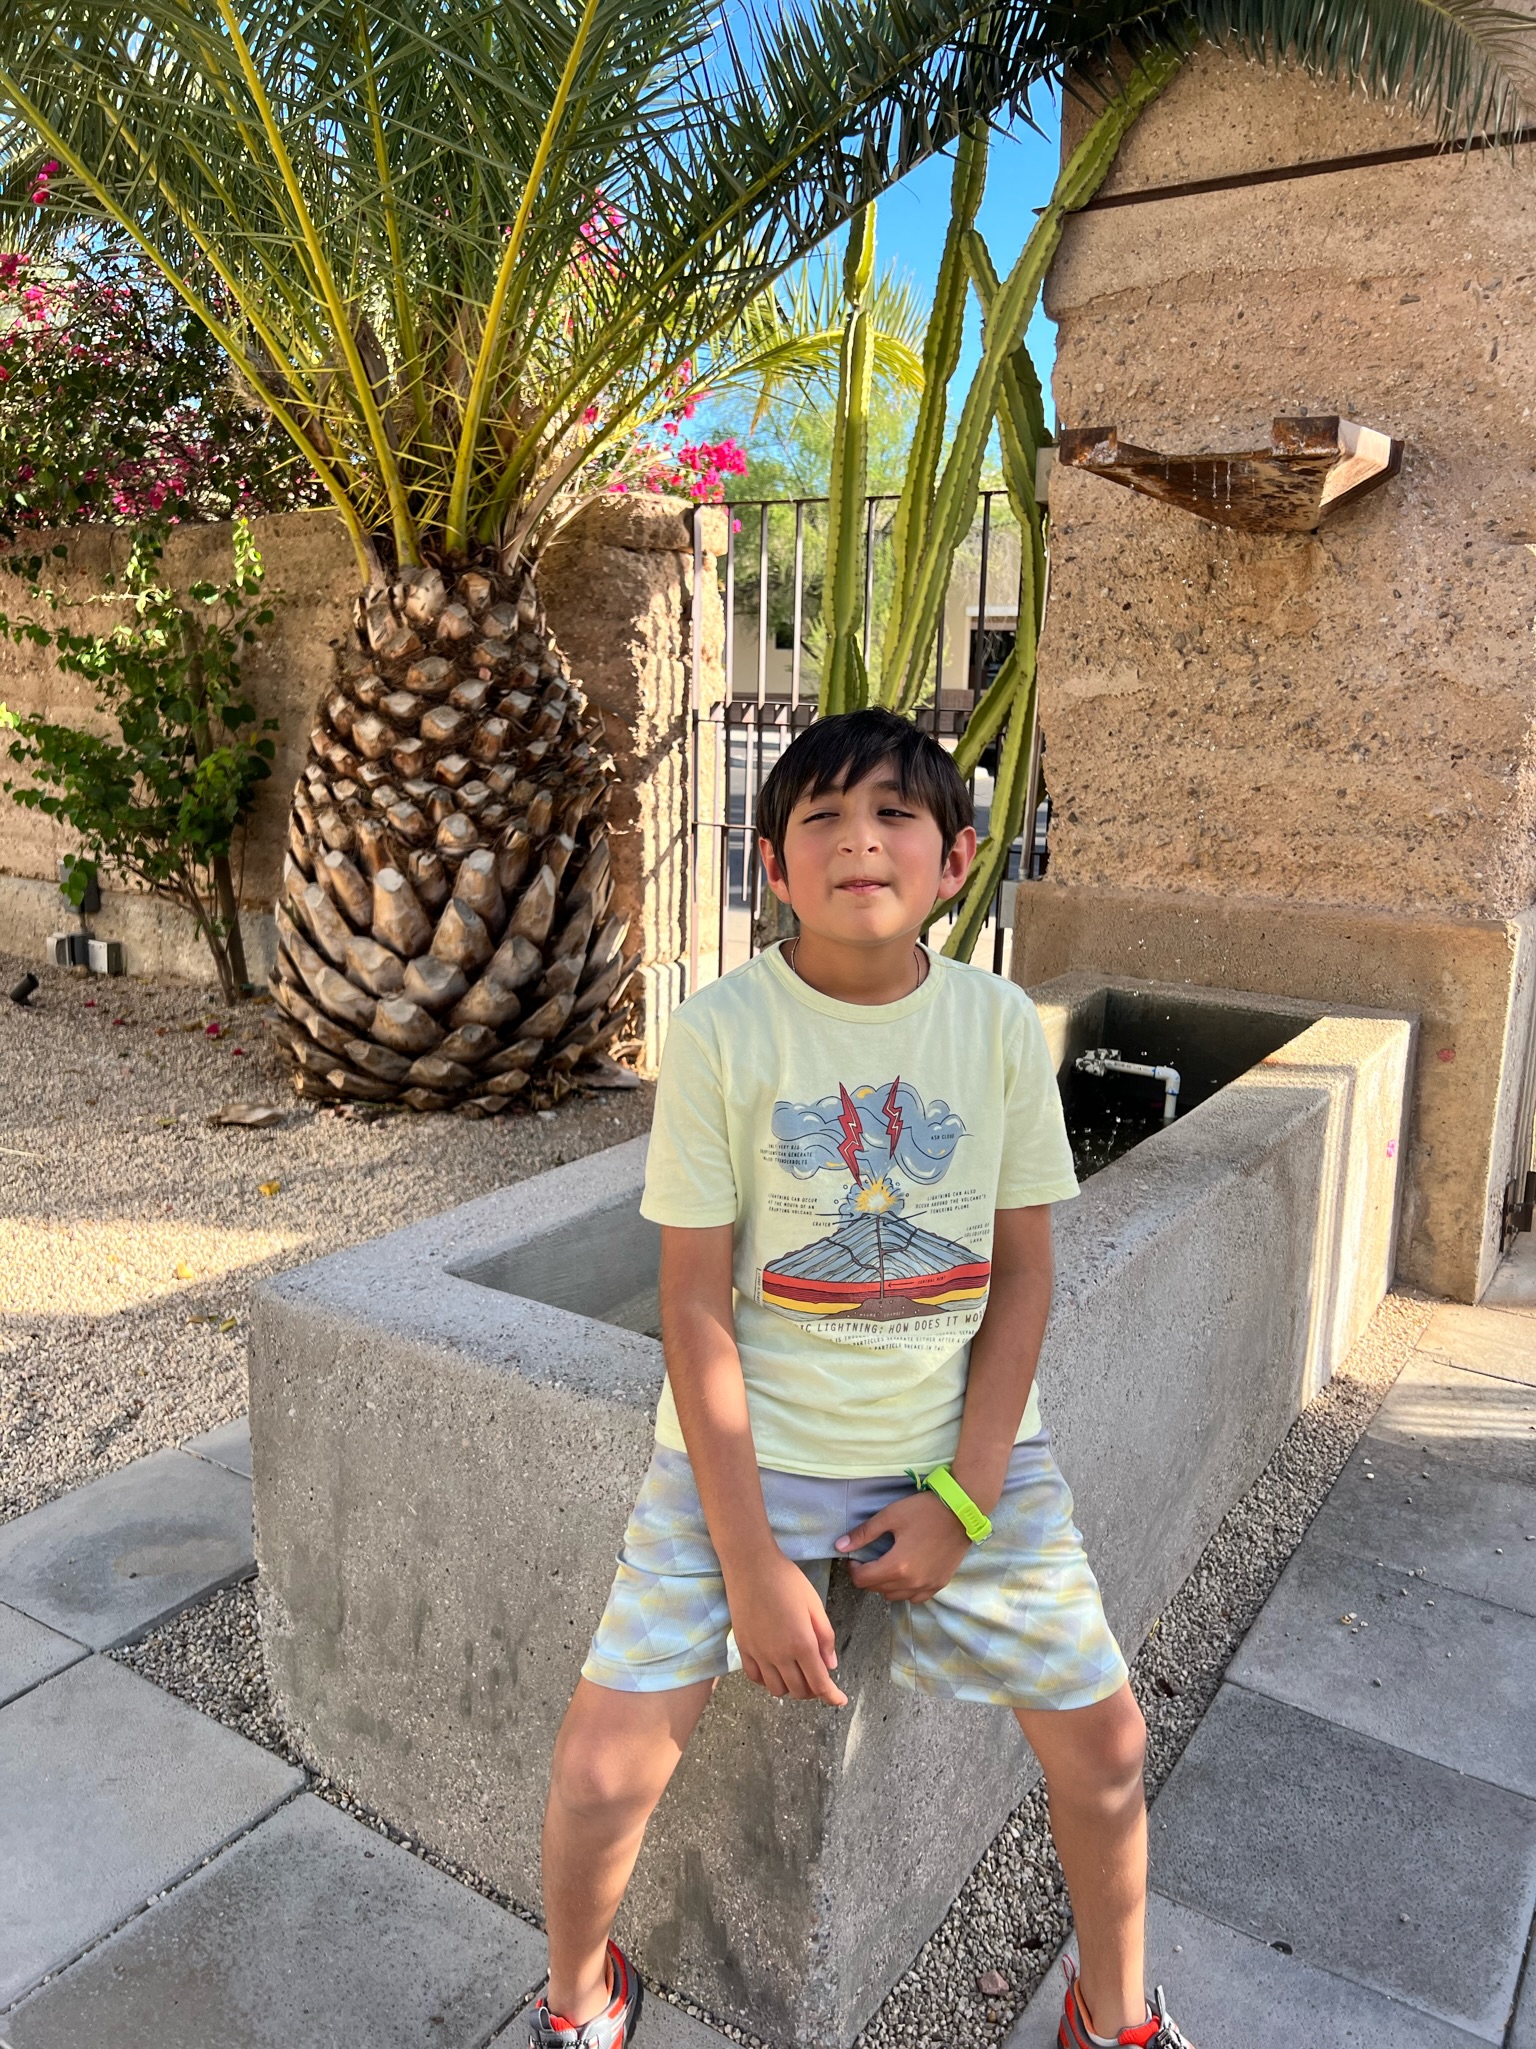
<point x="1106" y="1060"/>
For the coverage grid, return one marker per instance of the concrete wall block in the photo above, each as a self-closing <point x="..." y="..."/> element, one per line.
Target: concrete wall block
<point x="1175" y="1358"/>
<point x="1362" y="1065"/>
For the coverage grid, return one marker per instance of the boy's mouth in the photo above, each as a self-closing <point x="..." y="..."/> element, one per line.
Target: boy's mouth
<point x="861" y="885"/>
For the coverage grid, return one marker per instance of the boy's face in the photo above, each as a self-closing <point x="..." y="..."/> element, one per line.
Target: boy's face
<point x="865" y="865"/>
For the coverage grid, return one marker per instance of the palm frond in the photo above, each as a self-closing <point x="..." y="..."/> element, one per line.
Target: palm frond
<point x="1454" y="62"/>
<point x="785" y="348"/>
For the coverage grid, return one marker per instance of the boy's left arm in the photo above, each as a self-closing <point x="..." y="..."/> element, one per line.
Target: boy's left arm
<point x="930" y="1541"/>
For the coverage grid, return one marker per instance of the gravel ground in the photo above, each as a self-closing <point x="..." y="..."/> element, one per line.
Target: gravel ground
<point x="1012" y="1914"/>
<point x="133" y="1230"/>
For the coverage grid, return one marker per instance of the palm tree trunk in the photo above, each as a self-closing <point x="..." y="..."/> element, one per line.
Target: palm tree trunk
<point x="443" y="937"/>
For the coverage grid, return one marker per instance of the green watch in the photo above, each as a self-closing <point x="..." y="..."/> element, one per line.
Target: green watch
<point x="941" y="1481"/>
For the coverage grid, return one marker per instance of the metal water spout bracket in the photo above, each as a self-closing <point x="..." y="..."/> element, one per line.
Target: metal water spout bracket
<point x="1104" y="1060"/>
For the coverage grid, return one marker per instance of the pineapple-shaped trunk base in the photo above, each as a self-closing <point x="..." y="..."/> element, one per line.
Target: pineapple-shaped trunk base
<point x="443" y="930"/>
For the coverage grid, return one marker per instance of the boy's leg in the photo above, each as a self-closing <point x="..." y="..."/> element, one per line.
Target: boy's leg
<point x="1093" y="1759"/>
<point x="613" y="1758"/>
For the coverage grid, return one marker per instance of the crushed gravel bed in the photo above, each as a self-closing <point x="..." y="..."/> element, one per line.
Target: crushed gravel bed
<point x="131" y="1230"/>
<point x="1012" y="1914"/>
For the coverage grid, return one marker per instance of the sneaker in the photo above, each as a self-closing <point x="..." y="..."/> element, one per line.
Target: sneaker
<point x="1157" y="2031"/>
<point x="611" y="2029"/>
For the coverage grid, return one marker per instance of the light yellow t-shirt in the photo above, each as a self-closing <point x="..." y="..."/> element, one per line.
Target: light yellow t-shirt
<point x="860" y="1151"/>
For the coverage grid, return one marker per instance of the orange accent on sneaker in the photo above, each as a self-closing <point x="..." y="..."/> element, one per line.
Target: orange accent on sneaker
<point x="1140" y="2037"/>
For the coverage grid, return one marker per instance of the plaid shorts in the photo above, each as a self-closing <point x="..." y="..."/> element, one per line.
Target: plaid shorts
<point x="1021" y="1623"/>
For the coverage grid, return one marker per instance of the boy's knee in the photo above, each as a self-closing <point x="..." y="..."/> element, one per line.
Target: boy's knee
<point x="1105" y="1754"/>
<point x="592" y="1779"/>
<point x="1124" y="1741"/>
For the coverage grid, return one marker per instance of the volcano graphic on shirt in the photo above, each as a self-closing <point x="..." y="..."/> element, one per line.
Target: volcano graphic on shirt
<point x="878" y="1264"/>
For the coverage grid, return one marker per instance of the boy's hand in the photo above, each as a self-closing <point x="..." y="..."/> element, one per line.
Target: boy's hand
<point x="786" y="1642"/>
<point x="929" y="1546"/>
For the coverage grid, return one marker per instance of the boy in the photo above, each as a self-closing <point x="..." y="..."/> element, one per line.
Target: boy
<point x="842" y="1349"/>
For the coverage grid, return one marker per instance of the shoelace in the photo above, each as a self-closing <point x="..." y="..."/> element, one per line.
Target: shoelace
<point x="1168" y="2035"/>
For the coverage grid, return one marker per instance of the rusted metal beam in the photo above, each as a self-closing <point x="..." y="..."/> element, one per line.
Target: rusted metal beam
<point x="1310" y="468"/>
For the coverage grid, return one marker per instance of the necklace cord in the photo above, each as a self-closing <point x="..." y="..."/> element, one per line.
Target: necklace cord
<point x="919" y="959"/>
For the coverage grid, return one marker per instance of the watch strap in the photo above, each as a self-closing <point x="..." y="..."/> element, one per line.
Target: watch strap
<point x="941" y="1481"/>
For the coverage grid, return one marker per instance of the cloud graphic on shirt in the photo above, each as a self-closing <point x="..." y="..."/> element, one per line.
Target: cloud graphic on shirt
<point x="812" y="1137"/>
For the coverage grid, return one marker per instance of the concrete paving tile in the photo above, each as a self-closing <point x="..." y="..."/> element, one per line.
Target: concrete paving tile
<point x="311" y="1932"/>
<point x="29" y="1652"/>
<point x="662" y="2026"/>
<point x="110" y="1560"/>
<point x="1523" y="2034"/>
<point x="110" y="1790"/>
<point x="1227" y="1991"/>
<point x="1442" y="1517"/>
<point x="1467" y="1417"/>
<point x="1513" y="1286"/>
<point x="229" y="1445"/>
<point x="1482" y="1341"/>
<point x="1425" y="1668"/>
<point x="1382" y="1867"/>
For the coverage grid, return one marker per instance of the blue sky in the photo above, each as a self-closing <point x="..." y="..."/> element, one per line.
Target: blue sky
<point x="910" y="223"/>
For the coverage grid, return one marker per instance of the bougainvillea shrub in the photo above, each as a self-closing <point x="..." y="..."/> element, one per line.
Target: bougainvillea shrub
<point x="117" y="406"/>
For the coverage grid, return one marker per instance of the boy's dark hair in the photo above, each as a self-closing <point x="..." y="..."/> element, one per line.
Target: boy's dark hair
<point x="837" y="752"/>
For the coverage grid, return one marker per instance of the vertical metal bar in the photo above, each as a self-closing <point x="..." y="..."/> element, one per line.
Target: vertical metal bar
<point x="794" y="660"/>
<point x="724" y="848"/>
<point x="730" y="611"/>
<point x="978" y="652"/>
<point x="751" y="867"/>
<point x="869" y="573"/>
<point x="695" y="692"/>
<point x="762" y="604"/>
<point x="1031" y="798"/>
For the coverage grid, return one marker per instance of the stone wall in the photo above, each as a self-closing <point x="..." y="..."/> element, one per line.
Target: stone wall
<point x="618" y="591"/>
<point x="1333" y="723"/>
<point x="618" y="587"/>
<point x="312" y="576"/>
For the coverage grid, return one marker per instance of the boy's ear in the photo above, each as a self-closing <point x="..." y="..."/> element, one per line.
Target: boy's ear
<point x="957" y="864"/>
<point x="773" y="868"/>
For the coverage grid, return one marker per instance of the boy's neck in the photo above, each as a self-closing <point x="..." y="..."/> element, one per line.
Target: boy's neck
<point x="858" y="974"/>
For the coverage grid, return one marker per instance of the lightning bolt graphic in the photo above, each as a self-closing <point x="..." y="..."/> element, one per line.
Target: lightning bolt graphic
<point x="893" y="1120"/>
<point x="853" y="1136"/>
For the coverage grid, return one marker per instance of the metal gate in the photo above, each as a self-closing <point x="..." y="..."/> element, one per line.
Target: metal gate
<point x="744" y="711"/>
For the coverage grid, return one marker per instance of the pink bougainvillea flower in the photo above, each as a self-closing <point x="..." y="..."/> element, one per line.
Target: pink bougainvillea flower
<point x="589" y="417"/>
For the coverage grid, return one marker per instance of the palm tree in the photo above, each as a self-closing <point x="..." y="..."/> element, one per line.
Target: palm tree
<point x="459" y="249"/>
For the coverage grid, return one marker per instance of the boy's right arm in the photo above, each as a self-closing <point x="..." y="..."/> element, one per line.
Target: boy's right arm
<point x="786" y="1642"/>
